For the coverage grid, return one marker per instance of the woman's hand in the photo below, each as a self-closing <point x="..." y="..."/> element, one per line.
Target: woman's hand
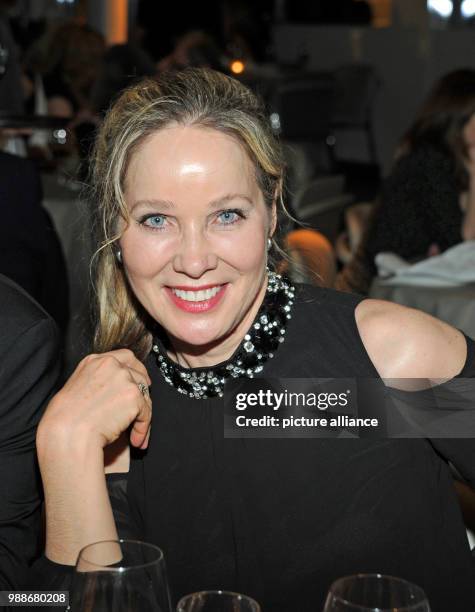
<point x="100" y="400"/>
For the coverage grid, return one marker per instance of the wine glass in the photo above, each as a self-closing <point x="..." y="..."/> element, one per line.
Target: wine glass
<point x="217" y="601"/>
<point x="375" y="593"/>
<point x="120" y="576"/>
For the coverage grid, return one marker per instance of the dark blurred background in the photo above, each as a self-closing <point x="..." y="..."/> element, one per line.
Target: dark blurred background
<point x="343" y="81"/>
<point x="409" y="43"/>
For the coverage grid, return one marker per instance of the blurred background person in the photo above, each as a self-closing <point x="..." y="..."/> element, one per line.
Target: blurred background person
<point x="72" y="64"/>
<point x="195" y="49"/>
<point x="12" y="95"/>
<point x="30" y="250"/>
<point x="122" y="65"/>
<point x="427" y="203"/>
<point x="245" y="29"/>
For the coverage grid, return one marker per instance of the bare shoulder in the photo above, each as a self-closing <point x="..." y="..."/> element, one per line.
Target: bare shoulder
<point x="408" y="343"/>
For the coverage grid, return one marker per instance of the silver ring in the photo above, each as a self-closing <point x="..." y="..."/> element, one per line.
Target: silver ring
<point x="143" y="389"/>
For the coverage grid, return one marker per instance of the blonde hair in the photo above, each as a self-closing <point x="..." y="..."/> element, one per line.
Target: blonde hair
<point x="195" y="96"/>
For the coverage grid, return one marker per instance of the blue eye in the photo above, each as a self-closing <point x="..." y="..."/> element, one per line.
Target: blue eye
<point x="154" y="221"/>
<point x="227" y="217"/>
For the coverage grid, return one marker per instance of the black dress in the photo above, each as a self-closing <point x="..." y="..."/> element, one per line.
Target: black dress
<point x="280" y="519"/>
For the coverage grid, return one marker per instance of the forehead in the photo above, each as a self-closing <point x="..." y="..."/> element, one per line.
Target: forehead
<point x="178" y="159"/>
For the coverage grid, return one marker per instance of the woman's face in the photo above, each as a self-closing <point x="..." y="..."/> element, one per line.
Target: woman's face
<point x="195" y="249"/>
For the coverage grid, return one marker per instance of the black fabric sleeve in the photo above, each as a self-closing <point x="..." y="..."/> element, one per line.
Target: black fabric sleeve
<point x="124" y="522"/>
<point x="47" y="574"/>
<point x="29" y="370"/>
<point x="460" y="452"/>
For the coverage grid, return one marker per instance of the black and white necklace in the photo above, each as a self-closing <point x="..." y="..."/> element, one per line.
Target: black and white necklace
<point x="258" y="346"/>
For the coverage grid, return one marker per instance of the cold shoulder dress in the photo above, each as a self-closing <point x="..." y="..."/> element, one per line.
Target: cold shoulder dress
<point x="280" y="519"/>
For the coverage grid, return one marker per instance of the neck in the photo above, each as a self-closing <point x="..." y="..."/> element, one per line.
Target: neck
<point x="190" y="356"/>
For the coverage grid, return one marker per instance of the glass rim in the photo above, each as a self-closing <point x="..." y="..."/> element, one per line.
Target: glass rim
<point x="121" y="570"/>
<point x="184" y="599"/>
<point x="419" y="591"/>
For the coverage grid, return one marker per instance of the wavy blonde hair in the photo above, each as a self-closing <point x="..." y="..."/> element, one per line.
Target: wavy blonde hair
<point x="199" y="97"/>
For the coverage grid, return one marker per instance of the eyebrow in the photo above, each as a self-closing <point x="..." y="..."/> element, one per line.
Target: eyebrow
<point x="167" y="204"/>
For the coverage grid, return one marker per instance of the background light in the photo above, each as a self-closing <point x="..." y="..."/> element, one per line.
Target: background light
<point x="237" y="67"/>
<point x="443" y="8"/>
<point x="275" y="122"/>
<point x="60" y="136"/>
<point x="468" y="8"/>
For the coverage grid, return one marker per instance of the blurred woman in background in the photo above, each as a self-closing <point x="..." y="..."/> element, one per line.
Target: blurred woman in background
<point x="72" y="61"/>
<point x="72" y="64"/>
<point x="195" y="49"/>
<point x="427" y="204"/>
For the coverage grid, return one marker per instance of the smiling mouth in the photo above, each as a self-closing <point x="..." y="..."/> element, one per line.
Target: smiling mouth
<point x="200" y="295"/>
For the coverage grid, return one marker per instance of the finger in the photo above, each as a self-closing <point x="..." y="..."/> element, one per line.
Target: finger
<point x="144" y="444"/>
<point x="138" y="379"/>
<point x="123" y="357"/>
<point x="141" y="425"/>
<point x="127" y="358"/>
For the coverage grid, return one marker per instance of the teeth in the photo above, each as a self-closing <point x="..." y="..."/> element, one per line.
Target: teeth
<point x="197" y="296"/>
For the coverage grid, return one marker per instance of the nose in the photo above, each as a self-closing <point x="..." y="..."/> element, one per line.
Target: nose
<point x="195" y="255"/>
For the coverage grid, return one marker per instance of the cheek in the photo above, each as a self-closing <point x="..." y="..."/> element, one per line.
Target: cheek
<point x="143" y="256"/>
<point x="245" y="250"/>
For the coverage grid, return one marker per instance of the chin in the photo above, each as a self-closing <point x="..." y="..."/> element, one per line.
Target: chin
<point x="193" y="335"/>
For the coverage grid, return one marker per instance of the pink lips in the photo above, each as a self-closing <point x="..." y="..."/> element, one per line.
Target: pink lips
<point x="196" y="307"/>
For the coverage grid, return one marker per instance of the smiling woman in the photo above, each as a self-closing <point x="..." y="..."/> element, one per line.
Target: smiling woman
<point x="201" y="187"/>
<point x="194" y="251"/>
<point x="187" y="191"/>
